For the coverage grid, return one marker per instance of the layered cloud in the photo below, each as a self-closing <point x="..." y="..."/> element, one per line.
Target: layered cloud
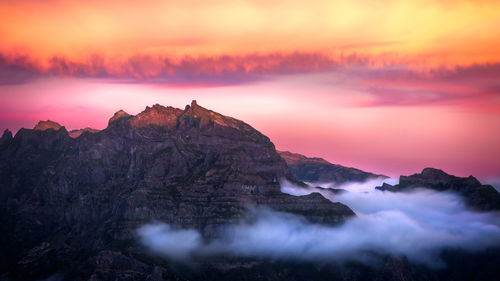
<point x="391" y="86"/>
<point x="225" y="69"/>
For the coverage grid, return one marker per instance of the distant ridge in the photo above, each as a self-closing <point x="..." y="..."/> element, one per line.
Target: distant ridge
<point x="476" y="195"/>
<point x="78" y="132"/>
<point x="318" y="170"/>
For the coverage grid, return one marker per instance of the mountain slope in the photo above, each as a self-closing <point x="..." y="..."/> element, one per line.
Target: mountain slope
<point x="319" y="170"/>
<point x="66" y="202"/>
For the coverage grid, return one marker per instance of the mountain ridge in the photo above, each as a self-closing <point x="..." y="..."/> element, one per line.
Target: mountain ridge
<point x="64" y="199"/>
<point x="70" y="206"/>
<point x="476" y="195"/>
<point x="318" y="170"/>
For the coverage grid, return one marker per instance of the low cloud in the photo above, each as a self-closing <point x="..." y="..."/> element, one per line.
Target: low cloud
<point x="177" y="244"/>
<point x="417" y="225"/>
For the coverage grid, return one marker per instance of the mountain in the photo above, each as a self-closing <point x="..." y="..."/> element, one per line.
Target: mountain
<point x="318" y="170"/>
<point x="78" y="132"/>
<point x="476" y="195"/>
<point x="72" y="205"/>
<point x="6" y="138"/>
<point x="45" y="125"/>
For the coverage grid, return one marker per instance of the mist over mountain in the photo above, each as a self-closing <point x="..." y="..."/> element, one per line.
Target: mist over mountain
<point x="318" y="170"/>
<point x="191" y="194"/>
<point x="476" y="195"/>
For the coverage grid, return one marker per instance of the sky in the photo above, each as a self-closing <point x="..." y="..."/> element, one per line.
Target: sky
<point x="386" y="86"/>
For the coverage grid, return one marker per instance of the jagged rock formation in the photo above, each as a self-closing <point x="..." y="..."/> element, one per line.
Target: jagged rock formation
<point x="319" y="170"/>
<point x="476" y="195"/>
<point x="78" y="132"/>
<point x="119" y="114"/>
<point x="6" y="137"/>
<point x="72" y="205"/>
<point x="47" y="125"/>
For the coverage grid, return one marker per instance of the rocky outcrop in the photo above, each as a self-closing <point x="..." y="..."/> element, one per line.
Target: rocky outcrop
<point x="118" y="115"/>
<point x="73" y="205"/>
<point x="6" y="137"/>
<point x="157" y="115"/>
<point x="47" y="125"/>
<point x="78" y="132"/>
<point x="476" y="195"/>
<point x="318" y="170"/>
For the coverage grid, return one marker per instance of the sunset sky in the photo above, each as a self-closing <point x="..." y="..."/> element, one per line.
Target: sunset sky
<point x="385" y="86"/>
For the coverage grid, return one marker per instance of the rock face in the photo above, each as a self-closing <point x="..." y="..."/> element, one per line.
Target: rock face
<point x="6" y="137"/>
<point x="119" y="114"/>
<point x="47" y="125"/>
<point x="76" y="133"/>
<point x="319" y="170"/>
<point x="71" y="206"/>
<point x="477" y="196"/>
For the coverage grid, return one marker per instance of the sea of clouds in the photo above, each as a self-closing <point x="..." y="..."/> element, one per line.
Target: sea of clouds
<point x="416" y="224"/>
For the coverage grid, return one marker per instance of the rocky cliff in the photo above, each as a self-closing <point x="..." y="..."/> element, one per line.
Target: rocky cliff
<point x="476" y="195"/>
<point x="71" y="205"/>
<point x="79" y="132"/>
<point x="318" y="170"/>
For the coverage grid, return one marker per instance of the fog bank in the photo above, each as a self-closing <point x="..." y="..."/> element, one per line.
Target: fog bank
<point x="417" y="225"/>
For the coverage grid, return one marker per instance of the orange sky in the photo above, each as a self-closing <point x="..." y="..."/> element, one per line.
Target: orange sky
<point x="416" y="32"/>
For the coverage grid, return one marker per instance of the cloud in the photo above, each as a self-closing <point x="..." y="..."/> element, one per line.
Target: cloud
<point x="175" y="244"/>
<point x="18" y="70"/>
<point x="397" y="86"/>
<point x="417" y="225"/>
<point x="445" y="32"/>
<point x="205" y="70"/>
<point x="391" y="84"/>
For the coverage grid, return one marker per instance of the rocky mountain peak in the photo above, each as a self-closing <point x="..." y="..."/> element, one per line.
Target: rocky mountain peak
<point x="119" y="114"/>
<point x="157" y="115"/>
<point x="6" y="137"/>
<point x="476" y="195"/>
<point x="319" y="170"/>
<point x="294" y="158"/>
<point x="196" y="115"/>
<point x="110" y="184"/>
<point x="78" y="132"/>
<point x="195" y="109"/>
<point x="46" y="125"/>
<point x="193" y="116"/>
<point x="7" y="134"/>
<point x="434" y="173"/>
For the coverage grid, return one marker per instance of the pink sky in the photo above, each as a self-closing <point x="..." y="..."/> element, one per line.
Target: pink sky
<point x="333" y="114"/>
<point x="386" y="86"/>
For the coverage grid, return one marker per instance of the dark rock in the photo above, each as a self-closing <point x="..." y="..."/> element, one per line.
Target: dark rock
<point x="112" y="265"/>
<point x="76" y="133"/>
<point x="118" y="115"/>
<point x="7" y="135"/>
<point x="68" y="202"/>
<point x="47" y="125"/>
<point x="157" y="116"/>
<point x="476" y="195"/>
<point x="319" y="170"/>
<point x="6" y="138"/>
